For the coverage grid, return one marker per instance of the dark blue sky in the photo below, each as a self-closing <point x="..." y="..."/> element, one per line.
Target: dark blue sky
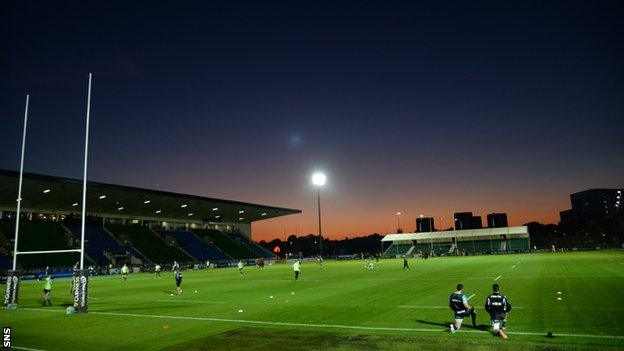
<point x="421" y="108"/>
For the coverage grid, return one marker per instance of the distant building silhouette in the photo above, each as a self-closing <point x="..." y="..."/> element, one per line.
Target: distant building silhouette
<point x="497" y="220"/>
<point x="591" y="204"/>
<point x="425" y="224"/>
<point x="595" y="214"/>
<point x="465" y="220"/>
<point x="477" y="223"/>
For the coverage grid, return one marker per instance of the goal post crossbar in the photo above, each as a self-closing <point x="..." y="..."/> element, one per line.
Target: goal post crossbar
<point x="45" y="252"/>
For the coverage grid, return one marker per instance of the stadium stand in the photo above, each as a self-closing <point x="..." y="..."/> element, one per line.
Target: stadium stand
<point x="194" y="246"/>
<point x="243" y="240"/>
<point x="5" y="261"/>
<point x="226" y="244"/>
<point x="108" y="213"/>
<point x="479" y="245"/>
<point x="39" y="236"/>
<point x="517" y="244"/>
<point x="100" y="245"/>
<point x="440" y="248"/>
<point x="397" y="249"/>
<point x="147" y="243"/>
<point x="484" y="240"/>
<point x="426" y="247"/>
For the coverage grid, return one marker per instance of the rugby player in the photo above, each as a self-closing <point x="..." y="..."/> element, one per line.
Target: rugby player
<point x="498" y="306"/>
<point x="458" y="303"/>
<point x="178" y="280"/>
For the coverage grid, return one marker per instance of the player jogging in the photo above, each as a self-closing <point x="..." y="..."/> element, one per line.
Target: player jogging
<point x="124" y="272"/>
<point x="178" y="280"/>
<point x="405" y="263"/>
<point x="47" y="288"/>
<point x="319" y="260"/>
<point x="297" y="268"/>
<point x="157" y="270"/>
<point x="240" y="266"/>
<point x="498" y="306"/>
<point x="458" y="303"/>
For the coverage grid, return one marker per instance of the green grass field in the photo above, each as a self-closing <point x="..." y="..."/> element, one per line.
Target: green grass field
<point x="340" y="307"/>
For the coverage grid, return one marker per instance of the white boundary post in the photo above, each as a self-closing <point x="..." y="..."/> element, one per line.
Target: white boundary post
<point x="84" y="182"/>
<point x="19" y="187"/>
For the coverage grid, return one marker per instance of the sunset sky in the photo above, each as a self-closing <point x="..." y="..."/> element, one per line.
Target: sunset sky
<point x="428" y="108"/>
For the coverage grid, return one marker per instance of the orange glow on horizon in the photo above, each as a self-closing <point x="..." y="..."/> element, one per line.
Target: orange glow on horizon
<point x="335" y="227"/>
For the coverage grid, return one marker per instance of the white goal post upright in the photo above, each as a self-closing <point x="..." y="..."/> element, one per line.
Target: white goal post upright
<point x="19" y="187"/>
<point x="13" y="280"/>
<point x="84" y="180"/>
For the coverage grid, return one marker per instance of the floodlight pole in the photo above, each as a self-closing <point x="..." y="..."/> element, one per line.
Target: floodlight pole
<point x="84" y="180"/>
<point x="318" y="193"/>
<point x="19" y="187"/>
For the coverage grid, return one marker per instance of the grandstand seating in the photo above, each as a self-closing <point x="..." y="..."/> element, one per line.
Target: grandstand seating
<point x="397" y="249"/>
<point x="41" y="236"/>
<point x="5" y="262"/>
<point x="442" y="248"/>
<point x="148" y="243"/>
<point x="422" y="247"/>
<point x="136" y="253"/>
<point x="5" y="259"/>
<point x="225" y="243"/>
<point x="251" y="245"/>
<point x="97" y="242"/>
<point x="478" y="245"/>
<point x="518" y="244"/>
<point x="194" y="246"/>
<point x="503" y="245"/>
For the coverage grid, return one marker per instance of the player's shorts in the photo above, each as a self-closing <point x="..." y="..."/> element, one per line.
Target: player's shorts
<point x="45" y="291"/>
<point x="461" y="314"/>
<point x="498" y="320"/>
<point x="178" y="282"/>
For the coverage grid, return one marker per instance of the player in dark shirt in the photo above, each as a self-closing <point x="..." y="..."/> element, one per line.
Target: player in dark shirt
<point x="498" y="306"/>
<point x="178" y="279"/>
<point x="458" y="303"/>
<point x="405" y="263"/>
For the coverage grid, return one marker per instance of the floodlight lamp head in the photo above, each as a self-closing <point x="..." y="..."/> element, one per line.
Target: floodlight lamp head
<point x="319" y="179"/>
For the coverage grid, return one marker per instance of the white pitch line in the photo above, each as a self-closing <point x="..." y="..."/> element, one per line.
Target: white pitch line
<point x="334" y="326"/>
<point x="495" y="279"/>
<point x="192" y="301"/>
<point x="471" y="296"/>
<point x="25" y="348"/>
<point x="514" y="266"/>
<point x="445" y="307"/>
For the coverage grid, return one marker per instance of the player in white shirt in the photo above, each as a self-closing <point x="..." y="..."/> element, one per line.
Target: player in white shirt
<point x="240" y="266"/>
<point x="297" y="268"/>
<point x="124" y="272"/>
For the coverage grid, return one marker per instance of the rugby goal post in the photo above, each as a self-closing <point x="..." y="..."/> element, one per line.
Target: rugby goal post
<point x="81" y="277"/>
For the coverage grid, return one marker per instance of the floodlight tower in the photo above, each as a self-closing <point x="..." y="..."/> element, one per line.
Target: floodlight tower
<point x="319" y="179"/>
